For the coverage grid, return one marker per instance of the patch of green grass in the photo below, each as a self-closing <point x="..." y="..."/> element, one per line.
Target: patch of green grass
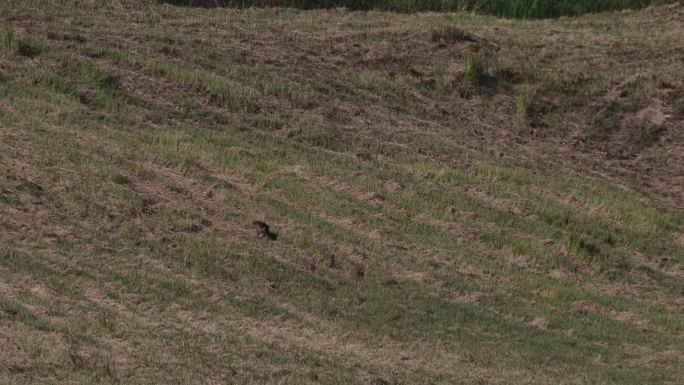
<point x="223" y="93"/>
<point x="475" y="74"/>
<point x="8" y="41"/>
<point x="89" y="73"/>
<point x="58" y="84"/>
<point x="204" y="262"/>
<point x="485" y="72"/>
<point x="606" y="122"/>
<point x="534" y="113"/>
<point x="318" y="134"/>
<point x="15" y="311"/>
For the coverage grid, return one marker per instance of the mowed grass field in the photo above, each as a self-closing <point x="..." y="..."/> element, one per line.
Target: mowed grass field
<point x="459" y="199"/>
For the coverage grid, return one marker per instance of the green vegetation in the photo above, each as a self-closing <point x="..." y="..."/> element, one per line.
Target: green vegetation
<point x="458" y="199"/>
<point x="8" y="42"/>
<point x="524" y="9"/>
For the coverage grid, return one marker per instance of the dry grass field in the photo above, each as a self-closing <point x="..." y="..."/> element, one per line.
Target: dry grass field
<point x="458" y="199"/>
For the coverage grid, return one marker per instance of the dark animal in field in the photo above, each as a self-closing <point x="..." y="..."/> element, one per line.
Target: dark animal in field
<point x="263" y="231"/>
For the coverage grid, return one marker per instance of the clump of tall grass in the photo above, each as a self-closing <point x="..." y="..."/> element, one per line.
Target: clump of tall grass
<point x="475" y="72"/>
<point x="527" y="9"/>
<point x="484" y="72"/>
<point x="8" y="42"/>
<point x="11" y="44"/>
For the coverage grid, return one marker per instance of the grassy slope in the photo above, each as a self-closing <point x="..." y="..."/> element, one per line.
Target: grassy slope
<point x="448" y="210"/>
